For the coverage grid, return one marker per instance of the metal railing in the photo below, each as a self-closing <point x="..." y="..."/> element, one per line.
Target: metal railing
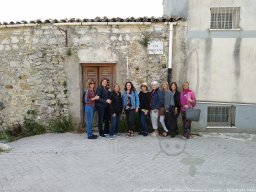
<point x="221" y="116"/>
<point x="225" y="18"/>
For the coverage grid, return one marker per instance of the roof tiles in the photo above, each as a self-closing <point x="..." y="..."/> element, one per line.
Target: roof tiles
<point x="98" y="19"/>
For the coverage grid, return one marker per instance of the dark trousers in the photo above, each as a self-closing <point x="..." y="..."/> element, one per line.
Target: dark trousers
<point x="186" y="123"/>
<point x="106" y="120"/>
<point x="130" y="114"/>
<point x="176" y="131"/>
<point x="143" y="122"/>
<point x="171" y="122"/>
<point x="101" y="112"/>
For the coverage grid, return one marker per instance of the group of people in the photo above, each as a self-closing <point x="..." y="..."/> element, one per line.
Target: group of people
<point x="163" y="104"/>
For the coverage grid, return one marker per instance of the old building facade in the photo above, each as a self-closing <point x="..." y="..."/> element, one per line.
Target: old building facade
<point x="44" y="66"/>
<point x="218" y="59"/>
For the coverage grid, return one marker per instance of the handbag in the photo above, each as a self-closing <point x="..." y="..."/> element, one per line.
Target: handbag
<point x="161" y="111"/>
<point x="193" y="114"/>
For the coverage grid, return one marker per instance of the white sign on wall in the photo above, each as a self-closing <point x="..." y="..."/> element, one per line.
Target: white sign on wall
<point x="155" y="47"/>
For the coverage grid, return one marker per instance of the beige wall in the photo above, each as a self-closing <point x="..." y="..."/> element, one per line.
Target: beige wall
<point x="219" y="64"/>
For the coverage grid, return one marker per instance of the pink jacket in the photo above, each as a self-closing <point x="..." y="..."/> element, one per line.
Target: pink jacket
<point x="184" y="96"/>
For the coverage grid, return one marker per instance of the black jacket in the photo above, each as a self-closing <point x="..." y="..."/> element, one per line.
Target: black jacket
<point x="177" y="99"/>
<point x="104" y="95"/>
<point x="116" y="103"/>
<point x="144" y="100"/>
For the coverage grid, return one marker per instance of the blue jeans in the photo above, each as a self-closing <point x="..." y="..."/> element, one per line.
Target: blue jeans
<point x="143" y="122"/>
<point x="115" y="120"/>
<point x="89" y="111"/>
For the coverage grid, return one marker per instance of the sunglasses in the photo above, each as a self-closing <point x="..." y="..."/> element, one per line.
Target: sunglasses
<point x="92" y="83"/>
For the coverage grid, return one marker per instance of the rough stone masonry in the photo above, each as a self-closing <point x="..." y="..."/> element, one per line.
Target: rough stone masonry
<point x="41" y="75"/>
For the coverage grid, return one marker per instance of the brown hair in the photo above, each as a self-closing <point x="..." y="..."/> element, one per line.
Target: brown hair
<point x="132" y="87"/>
<point x="144" y="85"/>
<point x="117" y="86"/>
<point x="89" y="82"/>
<point x="174" y="83"/>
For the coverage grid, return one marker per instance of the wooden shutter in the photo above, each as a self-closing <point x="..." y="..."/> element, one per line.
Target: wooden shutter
<point x="106" y="72"/>
<point x="90" y="73"/>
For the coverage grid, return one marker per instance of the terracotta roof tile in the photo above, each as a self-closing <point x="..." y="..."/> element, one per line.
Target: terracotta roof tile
<point x="98" y="19"/>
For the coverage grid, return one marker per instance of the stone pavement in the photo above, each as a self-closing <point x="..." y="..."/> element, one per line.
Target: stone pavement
<point x="70" y="163"/>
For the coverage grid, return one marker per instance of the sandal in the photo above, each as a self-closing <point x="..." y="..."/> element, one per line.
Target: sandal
<point x="154" y="134"/>
<point x="165" y="134"/>
<point x="128" y="134"/>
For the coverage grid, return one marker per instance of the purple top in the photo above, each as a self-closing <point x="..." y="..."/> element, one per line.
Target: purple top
<point x="88" y="98"/>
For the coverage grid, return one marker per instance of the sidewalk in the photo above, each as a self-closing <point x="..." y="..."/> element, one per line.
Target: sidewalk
<point x="70" y="163"/>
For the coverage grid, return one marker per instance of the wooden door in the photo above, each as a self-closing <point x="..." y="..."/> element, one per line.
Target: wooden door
<point x="97" y="73"/>
<point x="90" y="73"/>
<point x="106" y="72"/>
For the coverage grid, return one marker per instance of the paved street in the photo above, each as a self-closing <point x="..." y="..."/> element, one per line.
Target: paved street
<point x="69" y="162"/>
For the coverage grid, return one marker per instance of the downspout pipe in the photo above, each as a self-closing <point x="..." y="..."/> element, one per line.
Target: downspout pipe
<point x="170" y="53"/>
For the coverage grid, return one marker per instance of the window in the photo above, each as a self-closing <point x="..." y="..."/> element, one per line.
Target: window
<point x="225" y="17"/>
<point x="221" y="116"/>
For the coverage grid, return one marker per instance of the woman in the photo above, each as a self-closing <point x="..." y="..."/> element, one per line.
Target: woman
<point x="176" y="96"/>
<point x="89" y="100"/>
<point x="187" y="100"/>
<point x="156" y="106"/>
<point x="144" y="97"/>
<point x="102" y="104"/>
<point x="107" y="115"/>
<point x="168" y="106"/>
<point x="115" y="110"/>
<point x="130" y="101"/>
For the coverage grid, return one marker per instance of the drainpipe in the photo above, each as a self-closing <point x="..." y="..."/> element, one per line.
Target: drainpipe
<point x="169" y="77"/>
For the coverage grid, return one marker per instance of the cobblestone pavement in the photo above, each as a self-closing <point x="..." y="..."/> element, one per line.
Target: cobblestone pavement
<point x="69" y="162"/>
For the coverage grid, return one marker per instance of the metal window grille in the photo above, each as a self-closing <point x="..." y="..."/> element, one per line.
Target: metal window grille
<point x="225" y="17"/>
<point x="221" y="116"/>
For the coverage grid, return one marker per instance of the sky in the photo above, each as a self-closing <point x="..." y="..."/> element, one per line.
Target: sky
<point x="18" y="10"/>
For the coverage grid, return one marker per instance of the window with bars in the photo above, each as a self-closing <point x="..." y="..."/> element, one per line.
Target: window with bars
<point x="221" y="116"/>
<point x="225" y="17"/>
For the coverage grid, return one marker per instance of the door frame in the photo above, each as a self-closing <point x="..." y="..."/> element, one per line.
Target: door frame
<point x="99" y="65"/>
<point x="103" y="64"/>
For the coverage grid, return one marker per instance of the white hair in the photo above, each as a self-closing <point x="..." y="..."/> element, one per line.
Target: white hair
<point x="155" y="83"/>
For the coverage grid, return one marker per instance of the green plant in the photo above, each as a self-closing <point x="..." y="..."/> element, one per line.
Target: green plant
<point x="31" y="112"/>
<point x="31" y="127"/>
<point x="61" y="125"/>
<point x="145" y="39"/>
<point x="69" y="52"/>
<point x="6" y="136"/>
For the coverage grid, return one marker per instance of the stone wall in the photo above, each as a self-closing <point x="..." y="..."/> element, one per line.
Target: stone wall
<point x="32" y="78"/>
<point x="40" y="74"/>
